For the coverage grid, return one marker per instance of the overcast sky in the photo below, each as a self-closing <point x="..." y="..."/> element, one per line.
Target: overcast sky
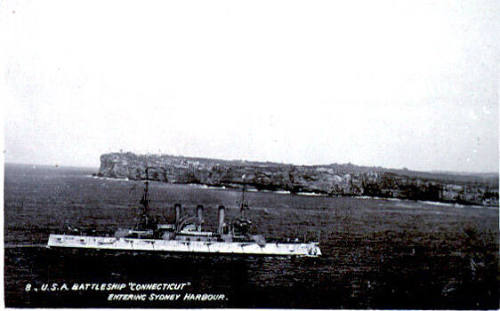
<point x="384" y="83"/>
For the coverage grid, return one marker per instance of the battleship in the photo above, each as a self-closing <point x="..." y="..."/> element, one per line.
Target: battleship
<point x="186" y="235"/>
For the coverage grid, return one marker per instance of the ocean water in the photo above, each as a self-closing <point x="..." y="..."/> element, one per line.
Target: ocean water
<point x="376" y="253"/>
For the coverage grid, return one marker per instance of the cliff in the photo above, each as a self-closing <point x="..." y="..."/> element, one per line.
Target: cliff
<point x="332" y="179"/>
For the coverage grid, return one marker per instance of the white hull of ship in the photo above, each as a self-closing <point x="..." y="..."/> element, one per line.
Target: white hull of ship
<point x="175" y="246"/>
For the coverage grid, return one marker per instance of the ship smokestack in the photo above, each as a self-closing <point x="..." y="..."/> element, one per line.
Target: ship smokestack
<point x="221" y="218"/>
<point x="199" y="214"/>
<point x="178" y="212"/>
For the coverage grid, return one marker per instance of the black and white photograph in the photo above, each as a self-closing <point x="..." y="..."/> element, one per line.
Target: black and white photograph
<point x="250" y="154"/>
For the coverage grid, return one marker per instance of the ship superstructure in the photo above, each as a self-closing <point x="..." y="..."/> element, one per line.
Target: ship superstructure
<point x="186" y="235"/>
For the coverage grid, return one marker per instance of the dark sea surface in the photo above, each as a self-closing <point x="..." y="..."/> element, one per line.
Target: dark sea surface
<point x="376" y="253"/>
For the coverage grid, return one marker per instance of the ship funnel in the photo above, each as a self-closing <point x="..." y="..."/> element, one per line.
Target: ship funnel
<point x="199" y="215"/>
<point x="177" y="213"/>
<point x="221" y="219"/>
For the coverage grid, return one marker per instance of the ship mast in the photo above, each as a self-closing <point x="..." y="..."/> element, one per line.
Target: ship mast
<point x="145" y="199"/>
<point x="243" y="204"/>
<point x="144" y="221"/>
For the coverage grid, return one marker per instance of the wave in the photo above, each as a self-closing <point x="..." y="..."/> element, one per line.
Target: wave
<point x="108" y="178"/>
<point x="281" y="192"/>
<point x="313" y="194"/>
<point x="216" y="187"/>
<point x="203" y="186"/>
<point x="198" y="186"/>
<point x="366" y="197"/>
<point x="456" y="205"/>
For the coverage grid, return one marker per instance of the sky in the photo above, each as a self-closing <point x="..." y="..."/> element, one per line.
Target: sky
<point x="396" y="84"/>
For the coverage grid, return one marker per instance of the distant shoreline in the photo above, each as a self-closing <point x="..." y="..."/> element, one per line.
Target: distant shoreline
<point x="329" y="180"/>
<point x="312" y="194"/>
<point x="371" y="184"/>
